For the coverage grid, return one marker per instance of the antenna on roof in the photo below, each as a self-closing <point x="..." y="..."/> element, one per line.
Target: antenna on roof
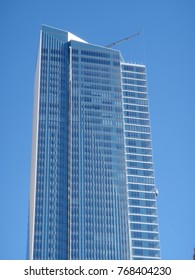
<point x="125" y="39"/>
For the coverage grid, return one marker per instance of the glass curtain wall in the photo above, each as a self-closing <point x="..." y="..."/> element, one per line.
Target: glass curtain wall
<point x="142" y="192"/>
<point x="99" y="225"/>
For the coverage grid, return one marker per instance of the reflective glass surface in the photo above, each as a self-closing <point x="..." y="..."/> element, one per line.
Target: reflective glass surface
<point x="93" y="192"/>
<point x="142" y="208"/>
<point x="98" y="212"/>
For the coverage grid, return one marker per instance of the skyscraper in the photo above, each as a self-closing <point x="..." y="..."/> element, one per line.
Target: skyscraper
<point x="92" y="193"/>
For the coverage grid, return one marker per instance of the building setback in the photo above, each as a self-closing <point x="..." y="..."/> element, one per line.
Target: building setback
<point x="92" y="193"/>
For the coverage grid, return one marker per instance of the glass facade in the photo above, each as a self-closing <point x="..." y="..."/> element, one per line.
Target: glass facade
<point x="98" y="210"/>
<point x="49" y="175"/>
<point x="142" y="208"/>
<point x="92" y="192"/>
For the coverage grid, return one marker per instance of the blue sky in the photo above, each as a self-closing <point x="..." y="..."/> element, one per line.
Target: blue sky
<point x="167" y="46"/>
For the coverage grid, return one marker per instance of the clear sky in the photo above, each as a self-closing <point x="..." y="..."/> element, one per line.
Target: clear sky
<point x="166" y="46"/>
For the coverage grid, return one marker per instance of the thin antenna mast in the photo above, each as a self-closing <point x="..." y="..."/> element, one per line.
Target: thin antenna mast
<point x="125" y="39"/>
